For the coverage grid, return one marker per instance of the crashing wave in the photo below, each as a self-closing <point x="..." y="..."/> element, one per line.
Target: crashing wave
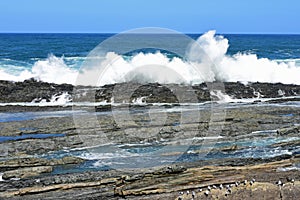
<point x="242" y="67"/>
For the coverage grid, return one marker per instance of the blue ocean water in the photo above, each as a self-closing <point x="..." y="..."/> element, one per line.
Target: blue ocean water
<point x="28" y="47"/>
<point x="19" y="53"/>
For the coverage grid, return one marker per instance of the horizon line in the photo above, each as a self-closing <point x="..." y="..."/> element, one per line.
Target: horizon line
<point x="218" y="33"/>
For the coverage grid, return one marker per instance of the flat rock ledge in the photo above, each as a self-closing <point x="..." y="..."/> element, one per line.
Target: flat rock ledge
<point x="32" y="161"/>
<point x="27" y="172"/>
<point x="30" y="166"/>
<point x="177" y="182"/>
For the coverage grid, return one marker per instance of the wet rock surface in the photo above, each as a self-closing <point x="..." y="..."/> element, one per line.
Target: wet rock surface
<point x="29" y="90"/>
<point x="157" y="183"/>
<point x="244" y="124"/>
<point x="25" y="175"/>
<point x="32" y="90"/>
<point x="24" y="167"/>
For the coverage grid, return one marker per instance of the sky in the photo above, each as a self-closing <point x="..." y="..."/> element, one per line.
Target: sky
<point x="113" y="16"/>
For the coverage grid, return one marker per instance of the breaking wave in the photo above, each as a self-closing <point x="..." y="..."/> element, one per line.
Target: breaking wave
<point x="52" y="70"/>
<point x="242" y="67"/>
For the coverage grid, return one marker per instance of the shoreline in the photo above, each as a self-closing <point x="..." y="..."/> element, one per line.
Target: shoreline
<point x="256" y="140"/>
<point x="33" y="91"/>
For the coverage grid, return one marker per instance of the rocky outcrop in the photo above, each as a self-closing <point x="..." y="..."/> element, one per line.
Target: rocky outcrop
<point x="31" y="89"/>
<point x="27" y="172"/>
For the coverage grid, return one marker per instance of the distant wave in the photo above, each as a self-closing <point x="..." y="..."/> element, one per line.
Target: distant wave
<point x="52" y="70"/>
<point x="243" y="67"/>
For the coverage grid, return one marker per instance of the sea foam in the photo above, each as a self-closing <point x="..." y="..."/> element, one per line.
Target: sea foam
<point x="52" y="70"/>
<point x="210" y="64"/>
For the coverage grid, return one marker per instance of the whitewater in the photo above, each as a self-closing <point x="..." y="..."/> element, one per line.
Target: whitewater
<point x="242" y="66"/>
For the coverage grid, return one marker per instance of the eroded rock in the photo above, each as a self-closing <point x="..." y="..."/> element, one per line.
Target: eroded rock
<point x="33" y="162"/>
<point x="27" y="172"/>
<point x="290" y="130"/>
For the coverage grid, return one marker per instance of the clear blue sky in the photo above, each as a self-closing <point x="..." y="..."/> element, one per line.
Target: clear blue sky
<point x="189" y="16"/>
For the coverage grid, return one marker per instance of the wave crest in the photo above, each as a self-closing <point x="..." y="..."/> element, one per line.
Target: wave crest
<point x="52" y="70"/>
<point x="242" y="67"/>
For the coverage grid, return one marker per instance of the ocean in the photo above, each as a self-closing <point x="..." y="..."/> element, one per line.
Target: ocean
<point x="241" y="57"/>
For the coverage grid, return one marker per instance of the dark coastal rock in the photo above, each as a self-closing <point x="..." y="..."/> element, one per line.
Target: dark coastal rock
<point x="230" y="148"/>
<point x="174" y="169"/>
<point x="167" y="93"/>
<point x="32" y="90"/>
<point x="256" y="89"/>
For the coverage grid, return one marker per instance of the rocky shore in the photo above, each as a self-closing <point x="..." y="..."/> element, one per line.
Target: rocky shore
<point x="258" y="143"/>
<point x="258" y="181"/>
<point x="35" y="91"/>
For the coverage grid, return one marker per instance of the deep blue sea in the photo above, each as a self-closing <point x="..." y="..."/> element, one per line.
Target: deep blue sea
<point x="45" y="56"/>
<point x="29" y="47"/>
